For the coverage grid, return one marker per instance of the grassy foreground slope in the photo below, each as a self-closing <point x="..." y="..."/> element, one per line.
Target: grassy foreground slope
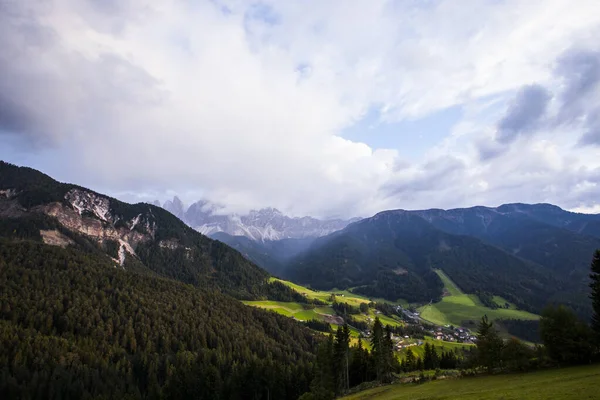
<point x="457" y="307"/>
<point x="577" y="383"/>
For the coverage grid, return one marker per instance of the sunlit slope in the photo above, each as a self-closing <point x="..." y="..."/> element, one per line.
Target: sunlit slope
<point x="577" y="383"/>
<point x="457" y="307"/>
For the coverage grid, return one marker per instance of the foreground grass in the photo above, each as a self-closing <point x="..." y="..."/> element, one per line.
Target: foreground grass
<point x="577" y="383"/>
<point x="458" y="307"/>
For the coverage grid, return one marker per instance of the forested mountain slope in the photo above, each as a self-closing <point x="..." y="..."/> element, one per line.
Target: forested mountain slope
<point x="140" y="236"/>
<point x="392" y="255"/>
<point x="75" y="326"/>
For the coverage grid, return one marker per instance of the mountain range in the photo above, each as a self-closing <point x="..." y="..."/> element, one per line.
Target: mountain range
<point x="104" y="299"/>
<point x="530" y="254"/>
<point x="267" y="224"/>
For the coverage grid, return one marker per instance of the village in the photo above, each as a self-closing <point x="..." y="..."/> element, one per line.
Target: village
<point x="421" y="328"/>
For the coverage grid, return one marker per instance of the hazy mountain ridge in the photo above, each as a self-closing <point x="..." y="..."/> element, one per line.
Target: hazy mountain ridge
<point x="267" y="224"/>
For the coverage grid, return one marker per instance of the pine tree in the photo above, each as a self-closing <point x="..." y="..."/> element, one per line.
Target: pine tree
<point x="419" y="364"/>
<point x="595" y="295"/>
<point x="409" y="360"/>
<point x="377" y="349"/>
<point x="389" y="361"/>
<point x="489" y="345"/>
<point x="427" y="357"/>
<point x="341" y="359"/>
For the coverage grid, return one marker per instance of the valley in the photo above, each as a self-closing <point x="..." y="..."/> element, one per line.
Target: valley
<point x="163" y="302"/>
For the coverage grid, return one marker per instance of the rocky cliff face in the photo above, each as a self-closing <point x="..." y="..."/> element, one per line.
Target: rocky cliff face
<point x="266" y="224"/>
<point x="88" y="214"/>
<point x="140" y="237"/>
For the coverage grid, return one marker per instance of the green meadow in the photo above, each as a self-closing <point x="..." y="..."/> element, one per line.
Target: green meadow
<point x="343" y="296"/>
<point x="439" y="346"/>
<point x="576" y="383"/>
<point x="299" y="311"/>
<point x="456" y="308"/>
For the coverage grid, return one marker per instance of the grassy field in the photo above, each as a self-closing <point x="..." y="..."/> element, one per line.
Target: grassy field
<point x="457" y="307"/>
<point x="385" y="320"/>
<point x="295" y="310"/>
<point x="343" y="296"/>
<point x="303" y="312"/>
<point x="577" y="383"/>
<point x="439" y="345"/>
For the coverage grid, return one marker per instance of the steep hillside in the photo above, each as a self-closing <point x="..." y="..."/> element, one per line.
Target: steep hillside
<point x="541" y="233"/>
<point x="393" y="255"/>
<point x="140" y="236"/>
<point x="73" y="326"/>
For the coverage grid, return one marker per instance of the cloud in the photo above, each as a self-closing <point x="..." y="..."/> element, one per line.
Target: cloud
<point x="244" y="103"/>
<point x="592" y="132"/>
<point x="579" y="71"/>
<point x="526" y="111"/>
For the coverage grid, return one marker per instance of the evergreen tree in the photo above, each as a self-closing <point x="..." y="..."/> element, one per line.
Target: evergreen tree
<point x="341" y="359"/>
<point x="427" y="356"/>
<point x="516" y="355"/>
<point x="595" y="296"/>
<point x="567" y="339"/>
<point x="359" y="364"/>
<point x="390" y="362"/>
<point x="489" y="345"/>
<point x="377" y="349"/>
<point x="410" y="363"/>
<point x="419" y="364"/>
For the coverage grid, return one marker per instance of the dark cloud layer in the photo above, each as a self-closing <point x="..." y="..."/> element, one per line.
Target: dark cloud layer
<point x="579" y="71"/>
<point x="48" y="92"/>
<point x="578" y="105"/>
<point x="524" y="114"/>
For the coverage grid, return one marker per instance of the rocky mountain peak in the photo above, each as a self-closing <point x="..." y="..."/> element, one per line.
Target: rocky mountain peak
<point x="175" y="207"/>
<point x="267" y="223"/>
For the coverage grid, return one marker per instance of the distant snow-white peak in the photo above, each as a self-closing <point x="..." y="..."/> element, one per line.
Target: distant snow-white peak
<point x="260" y="225"/>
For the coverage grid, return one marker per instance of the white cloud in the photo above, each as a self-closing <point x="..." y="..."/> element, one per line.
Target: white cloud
<point x="245" y="103"/>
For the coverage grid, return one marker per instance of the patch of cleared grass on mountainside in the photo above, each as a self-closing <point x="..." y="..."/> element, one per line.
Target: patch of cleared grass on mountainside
<point x="290" y="309"/>
<point x="440" y="346"/>
<point x="456" y="308"/>
<point x="343" y="296"/>
<point x="576" y="383"/>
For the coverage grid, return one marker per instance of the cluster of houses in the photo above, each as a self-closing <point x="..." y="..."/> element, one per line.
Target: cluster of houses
<point x="405" y="342"/>
<point x="415" y="316"/>
<point x="448" y="334"/>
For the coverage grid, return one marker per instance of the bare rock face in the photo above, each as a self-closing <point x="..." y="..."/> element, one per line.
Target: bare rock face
<point x="55" y="238"/>
<point x="7" y="193"/>
<point x="90" y="214"/>
<point x="84" y="201"/>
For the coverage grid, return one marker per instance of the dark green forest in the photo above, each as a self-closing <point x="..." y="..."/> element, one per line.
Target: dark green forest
<point x="392" y="256"/>
<point x="74" y="326"/>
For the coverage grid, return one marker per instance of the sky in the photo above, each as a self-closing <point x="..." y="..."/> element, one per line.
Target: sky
<point x="316" y="107"/>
